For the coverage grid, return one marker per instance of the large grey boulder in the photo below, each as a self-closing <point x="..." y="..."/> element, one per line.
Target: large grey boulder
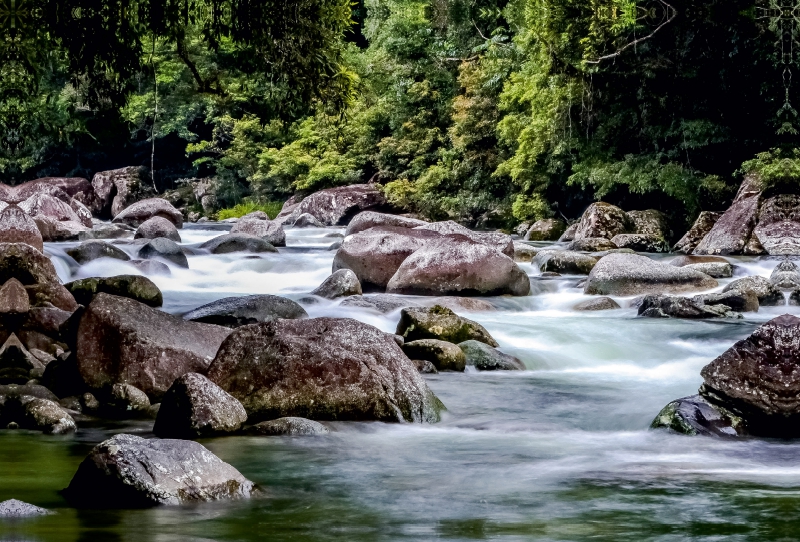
<point x="140" y="212"/>
<point x="441" y="323"/>
<point x="133" y="287"/>
<point x="565" y="262"/>
<point x="341" y="283"/>
<point x="370" y="219"/>
<point x="241" y="311"/>
<point x="53" y="231"/>
<point x="237" y="242"/>
<point x="768" y="295"/>
<point x="632" y="274"/>
<point x="158" y="226"/>
<point x="195" y="407"/>
<point x="498" y="241"/>
<point x="123" y="341"/>
<point x="486" y="358"/>
<point x="705" y="221"/>
<point x="270" y="231"/>
<point x="95" y="249"/>
<point x="732" y="233"/>
<point x="46" y="416"/>
<point x="164" y="249"/>
<point x="323" y="369"/>
<point x="459" y="266"/>
<point x="127" y="471"/>
<point x="336" y="206"/>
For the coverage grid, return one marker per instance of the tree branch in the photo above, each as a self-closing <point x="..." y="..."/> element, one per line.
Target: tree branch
<point x="673" y="13"/>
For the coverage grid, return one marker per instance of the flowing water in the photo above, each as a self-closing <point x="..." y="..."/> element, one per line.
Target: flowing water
<point x="561" y="451"/>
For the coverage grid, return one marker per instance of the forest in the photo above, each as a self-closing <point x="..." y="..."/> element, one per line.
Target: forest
<point x="486" y="112"/>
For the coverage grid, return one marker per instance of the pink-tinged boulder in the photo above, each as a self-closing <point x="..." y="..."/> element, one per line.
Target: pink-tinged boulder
<point x="456" y="265"/>
<point x="323" y="369"/>
<point x="53" y="230"/>
<point x="141" y="211"/>
<point x="731" y="233"/>
<point x="36" y="272"/>
<point x="268" y="230"/>
<point x="370" y="219"/>
<point x="778" y="228"/>
<point x="50" y="206"/>
<point x="497" y="241"/>
<point x="123" y="341"/>
<point x="336" y="206"/>
<point x="705" y="221"/>
<point x="119" y="188"/>
<point x="83" y="212"/>
<point x="16" y="226"/>
<point x="376" y="254"/>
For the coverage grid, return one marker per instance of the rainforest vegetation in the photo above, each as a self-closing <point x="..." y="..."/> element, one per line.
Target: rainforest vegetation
<point x="488" y="112"/>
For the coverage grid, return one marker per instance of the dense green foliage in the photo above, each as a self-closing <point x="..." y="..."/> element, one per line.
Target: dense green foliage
<point x="484" y="111"/>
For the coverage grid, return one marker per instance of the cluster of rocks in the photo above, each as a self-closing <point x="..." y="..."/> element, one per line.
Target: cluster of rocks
<point x="752" y="389"/>
<point x="402" y="255"/>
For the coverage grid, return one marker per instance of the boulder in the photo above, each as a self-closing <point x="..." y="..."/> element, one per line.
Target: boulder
<point x="548" y="229"/>
<point x="126" y="401"/>
<point x="235" y="312"/>
<point x="486" y="358"/>
<point x="716" y="270"/>
<point x="696" y="416"/>
<point x="46" y="416"/>
<point x="704" y="223"/>
<point x="758" y="378"/>
<point x="134" y="287"/>
<point x="569" y="233"/>
<point x="443" y="355"/>
<point x="640" y="242"/>
<point x="591" y="244"/>
<point x="237" y="242"/>
<point x="597" y="304"/>
<point x="164" y="249"/>
<point x="77" y="188"/>
<point x="127" y="471"/>
<point x="682" y="261"/>
<point x="335" y="206"/>
<point x="119" y="188"/>
<point x="151" y="267"/>
<point x="323" y="369"/>
<point x="341" y="283"/>
<point x="158" y="226"/>
<point x="524" y="252"/>
<point x="744" y="300"/>
<point x="84" y="214"/>
<point x="603" y="220"/>
<point x="13" y="298"/>
<point x="376" y="254"/>
<point x="53" y="231"/>
<point x="440" y="323"/>
<point x="370" y="219"/>
<point x="195" y="407"/>
<point x="459" y="266"/>
<point x="565" y="262"/>
<point x="140" y="212"/>
<point x="632" y="274"/>
<point x="95" y="249"/>
<point x="269" y="231"/>
<point x="50" y="206"/>
<point x="120" y="340"/>
<point x="498" y="241"/>
<point x="650" y="223"/>
<point x="768" y="295"/>
<point x="290" y="426"/>
<point x="732" y="231"/>
<point x="13" y="508"/>
<point x="778" y="228"/>
<point x="307" y="220"/>
<point x="106" y="231"/>
<point x="668" y="306"/>
<point x="383" y="303"/>
<point x="16" y="226"/>
<point x="785" y="276"/>
<point x="36" y="272"/>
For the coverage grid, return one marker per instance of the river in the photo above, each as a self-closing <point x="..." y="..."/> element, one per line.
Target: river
<point x="561" y="451"/>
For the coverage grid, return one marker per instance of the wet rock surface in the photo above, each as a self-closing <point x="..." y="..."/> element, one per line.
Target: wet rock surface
<point x="270" y="231"/>
<point x="702" y="225"/>
<point x="443" y="355"/>
<point x="632" y="274"/>
<point x="667" y="306"/>
<point x="599" y="304"/>
<point x="341" y="283"/>
<point x="241" y="311"/>
<point x="370" y="219"/>
<point x="486" y="358"/>
<point x="127" y="471"/>
<point x="335" y="206"/>
<point x="165" y="249"/>
<point x="548" y="229"/>
<point x="133" y="287"/>
<point x="140" y="212"/>
<point x="322" y="369"/>
<point x="158" y="226"/>
<point x="768" y="295"/>
<point x="564" y="262"/>
<point x="289" y="426"/>
<point x="95" y="249"/>
<point x="13" y="508"/>
<point x="440" y="323"/>
<point x="237" y="242"/>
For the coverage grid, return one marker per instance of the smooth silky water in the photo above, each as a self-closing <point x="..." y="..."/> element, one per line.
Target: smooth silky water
<point x="561" y="451"/>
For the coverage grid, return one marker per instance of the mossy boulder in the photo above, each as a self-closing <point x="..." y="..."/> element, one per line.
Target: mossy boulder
<point x="440" y="323"/>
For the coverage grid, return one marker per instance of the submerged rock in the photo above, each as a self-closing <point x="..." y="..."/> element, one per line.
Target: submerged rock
<point x="486" y="358"/>
<point x="290" y="426"/>
<point x="195" y="407"/>
<point x="383" y="303"/>
<point x="250" y="309"/>
<point x="13" y="508"/>
<point x="597" y="304"/>
<point x="737" y="300"/>
<point x="440" y="323"/>
<point x="632" y="274"/>
<point x="127" y="471"/>
<point x="323" y="369"/>
<point x="696" y="416"/>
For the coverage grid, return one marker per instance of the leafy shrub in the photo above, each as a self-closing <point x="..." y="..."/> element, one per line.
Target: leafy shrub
<point x="272" y="208"/>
